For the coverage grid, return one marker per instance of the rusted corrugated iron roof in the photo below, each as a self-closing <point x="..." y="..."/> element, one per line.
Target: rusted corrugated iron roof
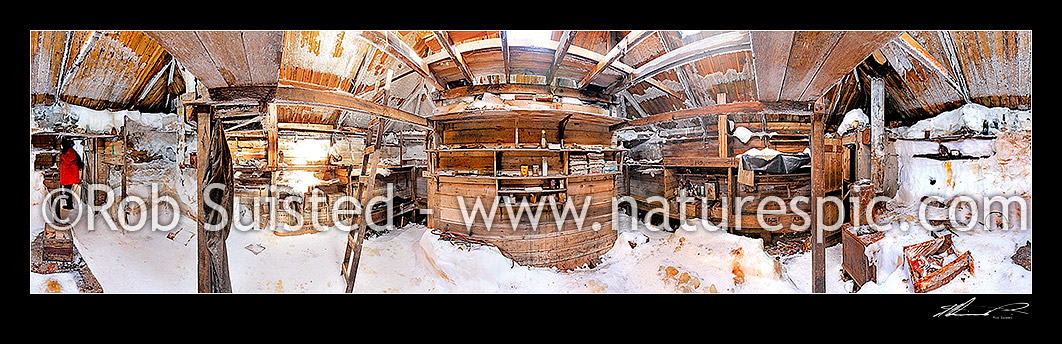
<point x="926" y="72"/>
<point x="929" y="72"/>
<point x="102" y="70"/>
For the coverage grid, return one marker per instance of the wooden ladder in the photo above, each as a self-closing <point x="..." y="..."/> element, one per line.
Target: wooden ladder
<point x="365" y="184"/>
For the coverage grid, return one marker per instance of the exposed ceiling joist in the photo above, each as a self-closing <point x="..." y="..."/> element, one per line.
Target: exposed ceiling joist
<point x="344" y="101"/>
<point x="505" y="54"/>
<point x="62" y="65"/>
<point x="670" y="44"/>
<point x="912" y="47"/>
<point x="390" y="44"/>
<point x="154" y="79"/>
<point x="82" y="53"/>
<point x="629" y="41"/>
<point x="714" y="45"/>
<point x="558" y="55"/>
<point x="448" y="45"/>
<point x="634" y="103"/>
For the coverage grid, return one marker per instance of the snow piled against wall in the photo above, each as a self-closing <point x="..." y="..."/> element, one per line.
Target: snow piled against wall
<point x="972" y="117"/>
<point x="852" y="120"/>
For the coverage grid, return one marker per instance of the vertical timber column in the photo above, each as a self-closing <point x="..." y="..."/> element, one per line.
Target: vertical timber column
<point x="818" y="191"/>
<point x="202" y="119"/>
<point x="877" y="132"/>
<point x="272" y="158"/>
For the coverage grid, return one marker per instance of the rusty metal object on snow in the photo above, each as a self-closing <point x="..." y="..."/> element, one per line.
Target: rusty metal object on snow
<point x="1023" y="256"/>
<point x="929" y="265"/>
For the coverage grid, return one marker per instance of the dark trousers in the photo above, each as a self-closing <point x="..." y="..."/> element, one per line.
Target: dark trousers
<point x="67" y="193"/>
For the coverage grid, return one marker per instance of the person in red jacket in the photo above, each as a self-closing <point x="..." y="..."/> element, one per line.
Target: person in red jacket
<point x="70" y="166"/>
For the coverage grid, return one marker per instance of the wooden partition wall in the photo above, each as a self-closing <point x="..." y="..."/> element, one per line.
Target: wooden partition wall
<point x="480" y="155"/>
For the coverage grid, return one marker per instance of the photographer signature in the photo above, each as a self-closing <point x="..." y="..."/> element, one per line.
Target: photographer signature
<point x="962" y="309"/>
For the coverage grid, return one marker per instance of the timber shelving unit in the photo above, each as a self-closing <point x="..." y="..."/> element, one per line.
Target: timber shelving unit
<point x="703" y="164"/>
<point x="480" y="153"/>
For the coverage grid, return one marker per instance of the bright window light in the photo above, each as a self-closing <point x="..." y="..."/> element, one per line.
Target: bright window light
<point x="689" y="32"/>
<point x="530" y="35"/>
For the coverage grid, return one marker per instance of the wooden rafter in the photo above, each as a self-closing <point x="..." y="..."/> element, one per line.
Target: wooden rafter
<point x="629" y="41"/>
<point x="146" y="88"/>
<point x="62" y="65"/>
<point x="344" y="101"/>
<point x="390" y="44"/>
<point x="634" y="103"/>
<point x="914" y="49"/>
<point x="82" y="53"/>
<point x="714" y="45"/>
<point x="505" y="54"/>
<point x="792" y="108"/>
<point x="558" y="55"/>
<point x="444" y="40"/>
<point x="670" y="44"/>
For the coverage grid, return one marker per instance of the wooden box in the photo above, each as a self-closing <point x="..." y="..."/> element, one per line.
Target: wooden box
<point x="58" y="245"/>
<point x="854" y="262"/>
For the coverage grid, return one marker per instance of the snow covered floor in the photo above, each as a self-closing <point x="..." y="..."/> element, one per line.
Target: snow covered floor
<point x="412" y="260"/>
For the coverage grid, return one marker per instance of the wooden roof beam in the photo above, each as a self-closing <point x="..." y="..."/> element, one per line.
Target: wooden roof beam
<point x="714" y="45"/>
<point x="558" y="55"/>
<point x="505" y="53"/>
<point x="448" y="45"/>
<point x="629" y="41"/>
<point x="634" y="103"/>
<point x="782" y="107"/>
<point x="390" y="44"/>
<point x="912" y="47"/>
<point x="82" y="53"/>
<point x="684" y="79"/>
<point x="344" y="101"/>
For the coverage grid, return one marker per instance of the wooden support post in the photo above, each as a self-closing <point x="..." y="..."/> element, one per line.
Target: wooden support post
<point x="877" y="131"/>
<point x="272" y="155"/>
<point x="125" y="169"/>
<point x="724" y="136"/>
<point x="202" y="115"/>
<point x="818" y="191"/>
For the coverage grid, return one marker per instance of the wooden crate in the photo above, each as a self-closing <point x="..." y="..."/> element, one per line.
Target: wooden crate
<point x="58" y="245"/>
<point x="854" y="262"/>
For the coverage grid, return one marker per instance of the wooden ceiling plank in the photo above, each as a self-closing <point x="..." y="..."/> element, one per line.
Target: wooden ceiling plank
<point x="849" y="51"/>
<point x="913" y="48"/>
<point x="633" y="103"/>
<point x="448" y="46"/>
<point x="809" y="51"/>
<point x="263" y="51"/>
<point x="185" y="47"/>
<point x="82" y="53"/>
<point x="227" y="51"/>
<point x="671" y="43"/>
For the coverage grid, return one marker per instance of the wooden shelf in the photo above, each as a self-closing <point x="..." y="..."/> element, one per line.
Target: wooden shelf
<point x="501" y="149"/>
<point x="557" y="176"/>
<point x="531" y="114"/>
<point x="530" y="191"/>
